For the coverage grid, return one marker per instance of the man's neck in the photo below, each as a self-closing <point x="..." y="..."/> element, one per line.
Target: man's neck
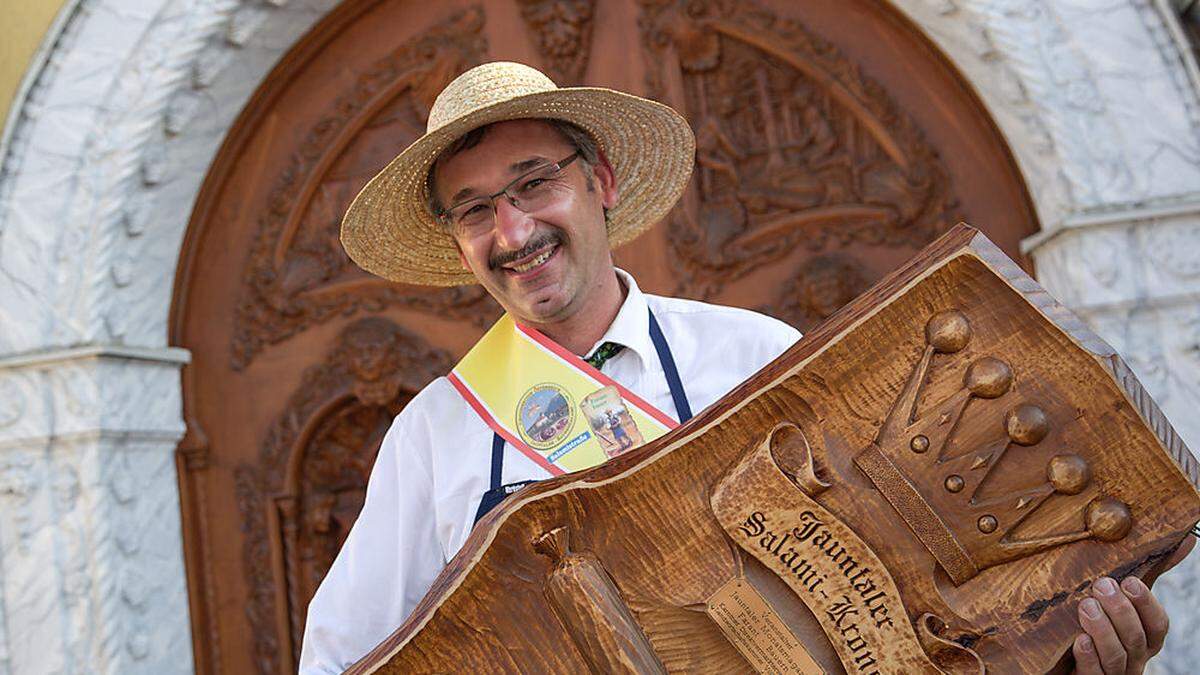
<point x="586" y="326"/>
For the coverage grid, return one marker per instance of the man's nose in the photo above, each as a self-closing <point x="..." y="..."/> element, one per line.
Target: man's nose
<point x="514" y="227"/>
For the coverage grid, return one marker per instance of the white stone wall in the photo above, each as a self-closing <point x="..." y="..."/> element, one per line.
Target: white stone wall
<point x="91" y="575"/>
<point x="104" y="156"/>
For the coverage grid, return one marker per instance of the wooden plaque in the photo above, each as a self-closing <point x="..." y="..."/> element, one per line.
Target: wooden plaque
<point x="928" y="482"/>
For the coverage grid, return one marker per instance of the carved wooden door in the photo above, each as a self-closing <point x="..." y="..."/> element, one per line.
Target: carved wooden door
<point x="833" y="141"/>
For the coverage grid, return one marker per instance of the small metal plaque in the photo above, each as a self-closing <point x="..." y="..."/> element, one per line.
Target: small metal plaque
<point x="753" y="627"/>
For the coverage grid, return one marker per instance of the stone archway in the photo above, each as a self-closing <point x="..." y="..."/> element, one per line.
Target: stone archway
<point x="107" y="153"/>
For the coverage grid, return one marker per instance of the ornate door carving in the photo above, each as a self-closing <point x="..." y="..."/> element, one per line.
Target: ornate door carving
<point x="833" y="142"/>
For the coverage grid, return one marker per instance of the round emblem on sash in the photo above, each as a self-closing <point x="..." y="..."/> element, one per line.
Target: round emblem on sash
<point x="545" y="415"/>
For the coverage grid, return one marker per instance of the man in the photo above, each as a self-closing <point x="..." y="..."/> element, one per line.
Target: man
<point x="523" y="188"/>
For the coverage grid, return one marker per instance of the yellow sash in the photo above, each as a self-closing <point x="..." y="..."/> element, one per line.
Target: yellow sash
<point x="549" y="403"/>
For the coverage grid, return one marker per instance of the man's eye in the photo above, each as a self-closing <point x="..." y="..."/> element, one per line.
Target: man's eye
<point x="469" y="214"/>
<point x="533" y="184"/>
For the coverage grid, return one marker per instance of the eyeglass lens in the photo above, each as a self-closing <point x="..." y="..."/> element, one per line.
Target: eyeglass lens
<point x="530" y="192"/>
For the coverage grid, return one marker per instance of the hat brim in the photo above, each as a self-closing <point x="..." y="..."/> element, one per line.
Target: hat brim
<point x="389" y="231"/>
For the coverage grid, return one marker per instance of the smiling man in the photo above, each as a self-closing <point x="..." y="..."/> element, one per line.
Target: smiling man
<point x="525" y="188"/>
<point x="539" y="245"/>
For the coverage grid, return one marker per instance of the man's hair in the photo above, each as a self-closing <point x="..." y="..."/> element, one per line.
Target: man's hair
<point x="572" y="133"/>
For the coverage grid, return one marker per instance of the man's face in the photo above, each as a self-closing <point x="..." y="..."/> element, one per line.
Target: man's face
<point x="545" y="266"/>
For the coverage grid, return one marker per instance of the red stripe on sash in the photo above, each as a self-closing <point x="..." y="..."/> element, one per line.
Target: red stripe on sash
<point x="587" y="368"/>
<point x="486" y="416"/>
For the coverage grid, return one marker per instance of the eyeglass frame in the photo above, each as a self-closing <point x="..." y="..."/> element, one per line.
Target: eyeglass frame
<point x="444" y="214"/>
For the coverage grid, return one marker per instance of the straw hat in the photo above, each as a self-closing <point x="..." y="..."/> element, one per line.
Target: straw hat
<point x="389" y="231"/>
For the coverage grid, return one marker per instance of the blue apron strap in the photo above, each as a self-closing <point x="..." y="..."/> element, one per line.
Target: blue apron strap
<point x="497" y="460"/>
<point x="682" y="408"/>
<point x="495" y="493"/>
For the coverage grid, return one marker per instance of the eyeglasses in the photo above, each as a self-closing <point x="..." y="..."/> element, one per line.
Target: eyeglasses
<point x="531" y="191"/>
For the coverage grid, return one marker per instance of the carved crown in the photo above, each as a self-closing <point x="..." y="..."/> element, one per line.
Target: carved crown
<point x="933" y="476"/>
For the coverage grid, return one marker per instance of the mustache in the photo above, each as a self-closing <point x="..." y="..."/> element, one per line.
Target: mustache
<point x="552" y="237"/>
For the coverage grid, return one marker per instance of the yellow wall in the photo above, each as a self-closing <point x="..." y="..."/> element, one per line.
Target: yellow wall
<point x="23" y="25"/>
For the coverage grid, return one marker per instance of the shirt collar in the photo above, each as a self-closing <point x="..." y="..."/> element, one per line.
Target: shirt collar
<point x="631" y="327"/>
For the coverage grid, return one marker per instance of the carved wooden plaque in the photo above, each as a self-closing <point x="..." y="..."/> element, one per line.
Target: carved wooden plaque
<point x="928" y="483"/>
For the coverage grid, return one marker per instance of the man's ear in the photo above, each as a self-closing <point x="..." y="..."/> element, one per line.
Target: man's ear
<point x="607" y="180"/>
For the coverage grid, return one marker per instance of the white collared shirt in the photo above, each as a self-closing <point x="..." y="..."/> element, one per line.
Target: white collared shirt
<point x="435" y="461"/>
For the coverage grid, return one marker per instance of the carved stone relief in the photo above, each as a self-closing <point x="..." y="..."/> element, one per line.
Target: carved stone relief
<point x="562" y="30"/>
<point x="297" y="274"/>
<point x="818" y="289"/>
<point x="795" y="147"/>
<point x="298" y="501"/>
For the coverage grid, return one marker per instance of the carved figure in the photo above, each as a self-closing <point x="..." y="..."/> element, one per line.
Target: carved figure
<point x="794" y="145"/>
<point x="822" y="286"/>
<point x="563" y="31"/>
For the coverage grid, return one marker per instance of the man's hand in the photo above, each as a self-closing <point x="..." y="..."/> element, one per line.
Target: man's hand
<point x="1123" y="625"/>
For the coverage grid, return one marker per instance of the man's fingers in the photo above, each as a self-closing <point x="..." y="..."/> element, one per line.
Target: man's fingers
<point x="1150" y="612"/>
<point x="1125" y="620"/>
<point x="1110" y="653"/>
<point x="1086" y="661"/>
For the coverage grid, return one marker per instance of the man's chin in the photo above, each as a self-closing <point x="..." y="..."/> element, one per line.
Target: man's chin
<point x="540" y="308"/>
<point x="544" y="313"/>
